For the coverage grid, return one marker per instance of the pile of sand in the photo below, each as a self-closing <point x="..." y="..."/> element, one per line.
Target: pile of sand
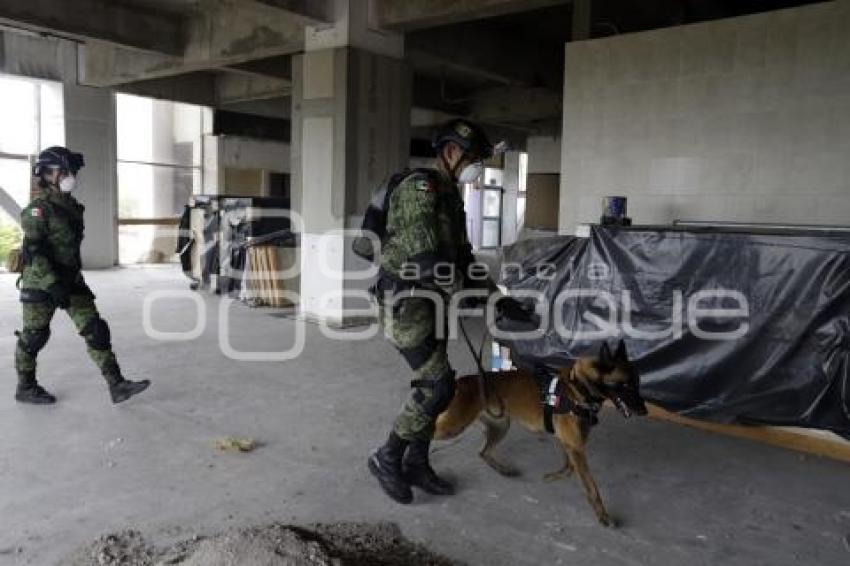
<point x="335" y="544"/>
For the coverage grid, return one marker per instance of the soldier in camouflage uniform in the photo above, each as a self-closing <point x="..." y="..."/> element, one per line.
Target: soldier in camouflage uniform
<point x="425" y="237"/>
<point x="51" y="279"/>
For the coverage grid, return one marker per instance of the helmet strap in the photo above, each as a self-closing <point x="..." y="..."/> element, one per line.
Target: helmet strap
<point x="450" y="169"/>
<point x="44" y="183"/>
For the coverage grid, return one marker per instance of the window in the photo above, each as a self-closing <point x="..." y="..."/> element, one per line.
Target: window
<point x="160" y="157"/>
<point x="31" y="118"/>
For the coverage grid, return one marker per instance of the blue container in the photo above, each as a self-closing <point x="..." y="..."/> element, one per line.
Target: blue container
<point x="614" y="207"/>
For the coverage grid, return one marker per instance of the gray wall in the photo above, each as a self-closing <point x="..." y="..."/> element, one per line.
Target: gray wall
<point x="741" y="119"/>
<point x="250" y="153"/>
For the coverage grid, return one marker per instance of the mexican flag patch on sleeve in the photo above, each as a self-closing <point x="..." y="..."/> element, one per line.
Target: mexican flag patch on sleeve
<point x="36" y="212"/>
<point x="424" y="185"/>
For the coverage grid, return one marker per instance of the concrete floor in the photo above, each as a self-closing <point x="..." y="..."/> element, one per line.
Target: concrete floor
<point x="71" y="472"/>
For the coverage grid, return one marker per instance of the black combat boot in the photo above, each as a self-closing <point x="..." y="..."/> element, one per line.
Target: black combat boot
<point x="29" y="391"/>
<point x="419" y="473"/>
<point x="121" y="389"/>
<point x="385" y="465"/>
<point x="124" y="389"/>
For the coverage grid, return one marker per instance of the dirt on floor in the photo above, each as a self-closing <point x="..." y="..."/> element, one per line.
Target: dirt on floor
<point x="323" y="544"/>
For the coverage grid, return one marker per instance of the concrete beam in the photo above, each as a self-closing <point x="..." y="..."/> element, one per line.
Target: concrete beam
<point x="221" y="33"/>
<point x="405" y="15"/>
<point x="309" y="11"/>
<point x="100" y="20"/>
<point x="517" y="107"/>
<point x="280" y="108"/>
<point x="483" y="55"/>
<point x="210" y="88"/>
<point x="233" y="88"/>
<point x="438" y="66"/>
<point x="191" y="88"/>
<point x="516" y="110"/>
<point x="429" y="93"/>
<point x="278" y="67"/>
<point x="242" y="30"/>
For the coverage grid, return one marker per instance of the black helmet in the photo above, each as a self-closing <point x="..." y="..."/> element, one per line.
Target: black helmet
<point x="59" y="157"/>
<point x="468" y="136"/>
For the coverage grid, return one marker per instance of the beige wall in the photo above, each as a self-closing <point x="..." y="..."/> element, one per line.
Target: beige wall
<point x="743" y="119"/>
<point x="244" y="182"/>
<point x="541" y="208"/>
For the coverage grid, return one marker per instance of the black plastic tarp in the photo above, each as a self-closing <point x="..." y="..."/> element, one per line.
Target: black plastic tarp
<point x="774" y="351"/>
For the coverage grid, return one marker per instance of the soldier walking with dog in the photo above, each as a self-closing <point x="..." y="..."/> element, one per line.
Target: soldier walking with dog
<point x="424" y="238"/>
<point x="52" y="279"/>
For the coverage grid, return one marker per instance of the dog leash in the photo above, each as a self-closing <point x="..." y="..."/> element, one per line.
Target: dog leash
<point x="482" y="374"/>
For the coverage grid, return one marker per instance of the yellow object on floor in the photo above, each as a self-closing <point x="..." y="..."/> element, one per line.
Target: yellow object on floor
<point x="231" y="444"/>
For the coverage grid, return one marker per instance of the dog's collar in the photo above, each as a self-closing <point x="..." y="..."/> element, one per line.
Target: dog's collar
<point x="557" y="401"/>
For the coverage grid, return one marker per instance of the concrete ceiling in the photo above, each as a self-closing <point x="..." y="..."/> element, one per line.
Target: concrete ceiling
<point x="508" y="66"/>
<point x="482" y="58"/>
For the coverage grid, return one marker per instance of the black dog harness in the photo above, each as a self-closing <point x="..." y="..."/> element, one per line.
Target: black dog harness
<point x="556" y="401"/>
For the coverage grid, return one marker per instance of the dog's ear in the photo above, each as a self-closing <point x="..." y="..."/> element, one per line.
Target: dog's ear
<point x="605" y="354"/>
<point x="621" y="355"/>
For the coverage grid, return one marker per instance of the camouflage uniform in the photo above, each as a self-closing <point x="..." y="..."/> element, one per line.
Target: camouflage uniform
<point x="426" y="226"/>
<point x="425" y="257"/>
<point x="53" y="231"/>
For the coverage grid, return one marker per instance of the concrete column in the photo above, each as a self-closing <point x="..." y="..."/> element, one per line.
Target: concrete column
<point x="213" y="177"/>
<point x="350" y="130"/>
<point x="90" y="130"/>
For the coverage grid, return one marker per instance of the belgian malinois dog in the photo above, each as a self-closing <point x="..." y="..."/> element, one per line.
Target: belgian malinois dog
<point x="517" y="395"/>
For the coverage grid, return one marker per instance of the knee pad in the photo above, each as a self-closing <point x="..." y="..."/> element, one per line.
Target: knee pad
<point x="32" y="341"/>
<point x="443" y="391"/>
<point x="97" y="335"/>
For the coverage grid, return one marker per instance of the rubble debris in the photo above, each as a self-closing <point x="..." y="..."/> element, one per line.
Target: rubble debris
<point x="321" y="544"/>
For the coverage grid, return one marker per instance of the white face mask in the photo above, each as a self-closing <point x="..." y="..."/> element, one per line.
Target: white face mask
<point x="471" y="173"/>
<point x="68" y="184"/>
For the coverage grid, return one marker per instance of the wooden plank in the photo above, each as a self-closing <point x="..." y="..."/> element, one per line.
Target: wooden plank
<point x="271" y="252"/>
<point x="256" y="277"/>
<point x="260" y="274"/>
<point x="149" y="221"/>
<point x="800" y="439"/>
<point x="266" y="279"/>
<point x="270" y="276"/>
<point x="250" y="284"/>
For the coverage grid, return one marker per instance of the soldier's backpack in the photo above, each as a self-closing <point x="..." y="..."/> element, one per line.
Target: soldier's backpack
<point x="375" y="218"/>
<point x="14" y="261"/>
